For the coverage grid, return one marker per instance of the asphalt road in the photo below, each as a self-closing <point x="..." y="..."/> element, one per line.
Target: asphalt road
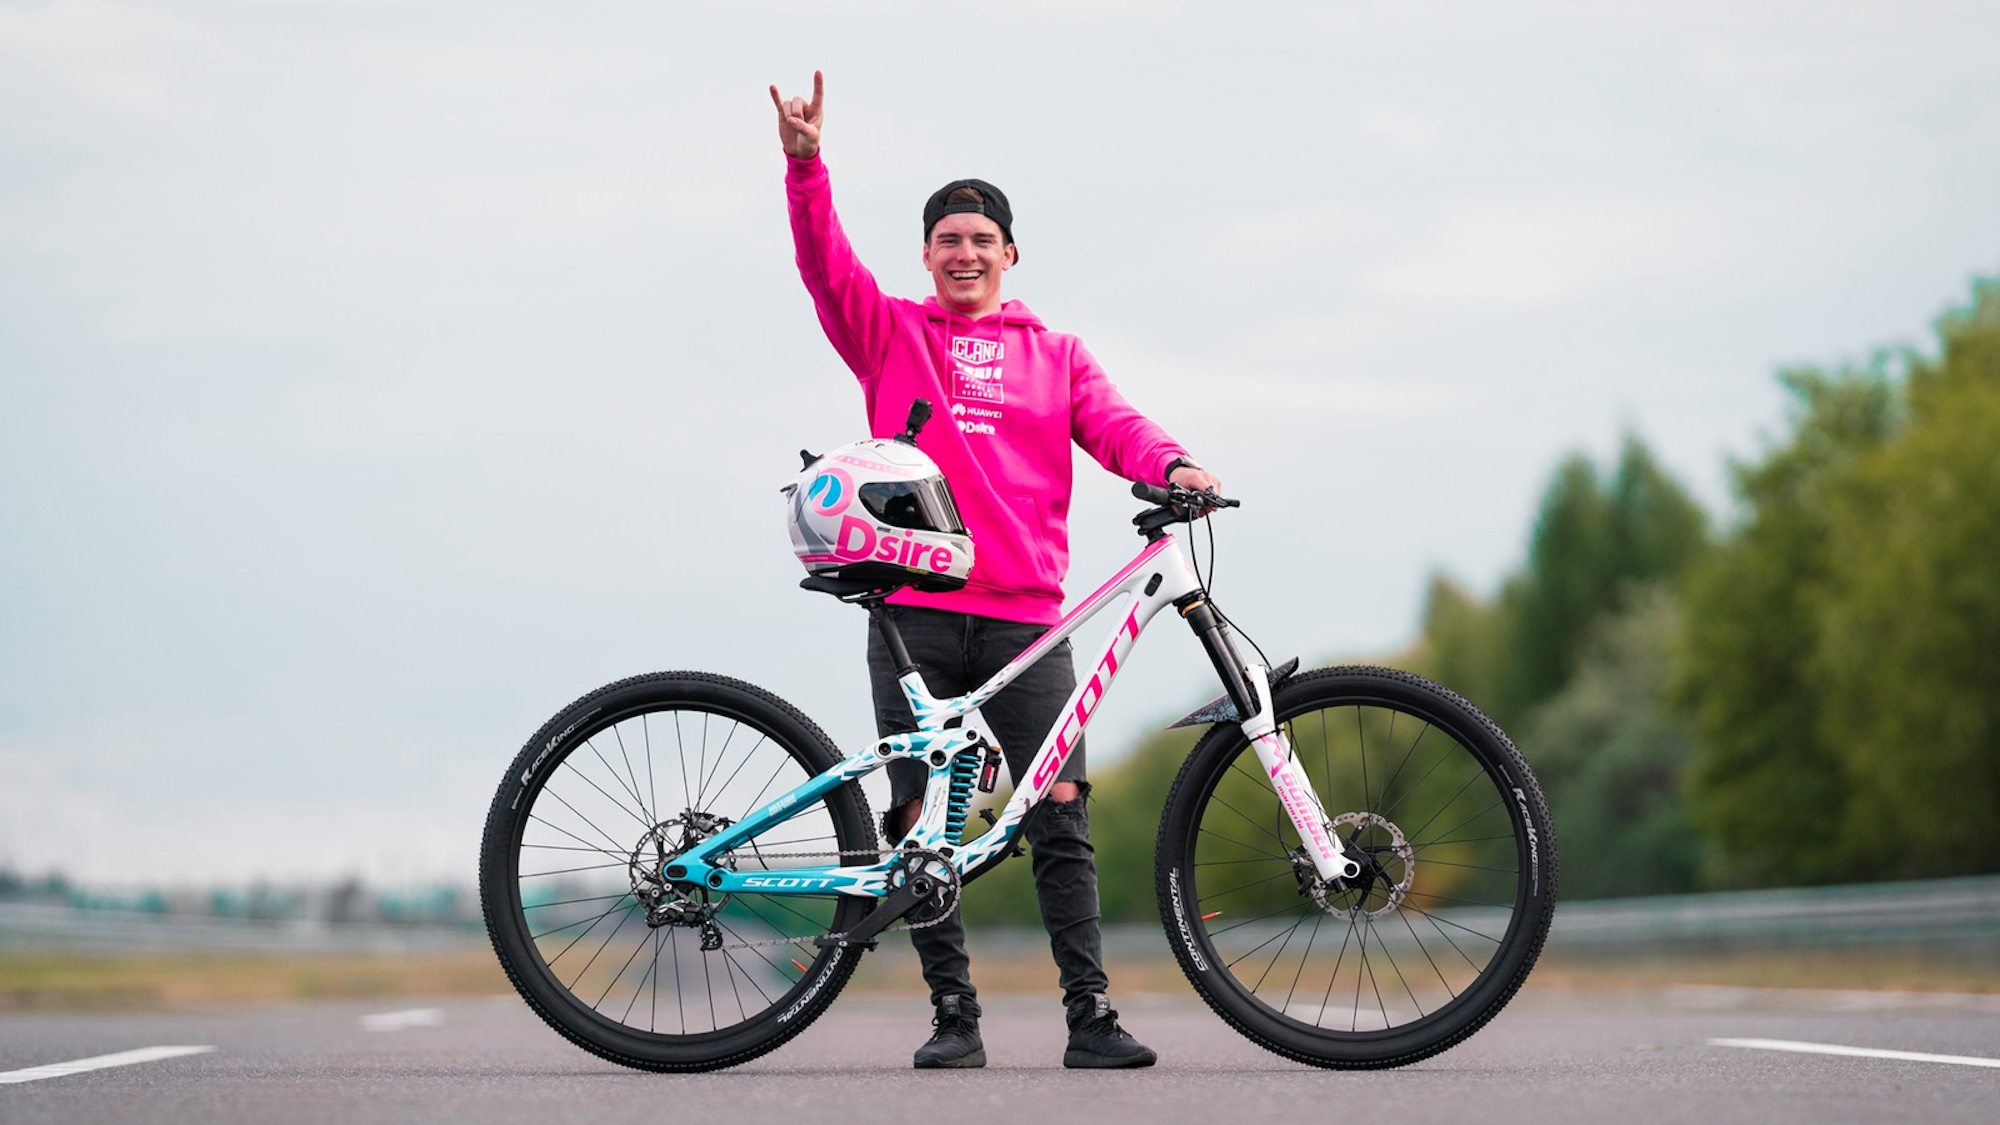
<point x="1627" y="1058"/>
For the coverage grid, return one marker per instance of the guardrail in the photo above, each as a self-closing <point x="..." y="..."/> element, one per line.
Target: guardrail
<point x="1960" y="913"/>
<point x="1957" y="912"/>
<point x="30" y="925"/>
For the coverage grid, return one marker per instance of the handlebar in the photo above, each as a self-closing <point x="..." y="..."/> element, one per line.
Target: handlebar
<point x="1175" y="496"/>
<point x="1174" y="504"/>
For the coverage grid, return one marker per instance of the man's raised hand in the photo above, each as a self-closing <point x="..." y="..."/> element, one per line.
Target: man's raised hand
<point x="798" y="119"/>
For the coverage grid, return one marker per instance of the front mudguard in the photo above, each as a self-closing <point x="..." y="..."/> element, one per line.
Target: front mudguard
<point x="1223" y="710"/>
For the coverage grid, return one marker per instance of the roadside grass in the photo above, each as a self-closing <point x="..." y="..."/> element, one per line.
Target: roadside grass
<point x="1885" y="969"/>
<point x="62" y="981"/>
<point x="54" y="980"/>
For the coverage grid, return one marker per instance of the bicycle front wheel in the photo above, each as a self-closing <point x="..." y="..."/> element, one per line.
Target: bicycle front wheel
<point x="1444" y="923"/>
<point x="621" y="963"/>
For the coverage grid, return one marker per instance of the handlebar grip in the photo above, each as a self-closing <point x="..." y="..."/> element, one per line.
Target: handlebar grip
<point x="1150" y="493"/>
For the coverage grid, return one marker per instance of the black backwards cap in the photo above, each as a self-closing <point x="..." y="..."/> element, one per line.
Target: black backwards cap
<point x="995" y="207"/>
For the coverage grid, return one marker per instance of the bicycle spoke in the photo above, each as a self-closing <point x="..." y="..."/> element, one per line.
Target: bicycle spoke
<point x="1390" y="782"/>
<point x="1471" y="866"/>
<point x="620" y="974"/>
<point x="1209" y="899"/>
<point x="652" y="967"/>
<point x="1440" y="921"/>
<point x="621" y="865"/>
<point x="593" y="824"/>
<point x="1361" y="749"/>
<point x="1476" y="775"/>
<point x="632" y="789"/>
<point x="1251" y="822"/>
<point x="1253" y="921"/>
<point x="1248" y="953"/>
<point x="1244" y="846"/>
<point x="1417" y="785"/>
<point x="587" y="845"/>
<point x="1303" y="958"/>
<point x="1419" y="942"/>
<point x="622" y="919"/>
<point x="1334" y="977"/>
<point x="680" y="745"/>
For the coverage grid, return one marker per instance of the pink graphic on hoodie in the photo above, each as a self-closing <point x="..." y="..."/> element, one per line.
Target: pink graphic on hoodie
<point x="1010" y="396"/>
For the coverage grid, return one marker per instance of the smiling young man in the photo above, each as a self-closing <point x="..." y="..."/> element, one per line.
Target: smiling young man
<point x="1018" y="394"/>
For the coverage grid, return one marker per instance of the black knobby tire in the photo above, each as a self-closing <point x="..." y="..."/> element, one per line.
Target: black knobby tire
<point x="1413" y="961"/>
<point x="622" y="775"/>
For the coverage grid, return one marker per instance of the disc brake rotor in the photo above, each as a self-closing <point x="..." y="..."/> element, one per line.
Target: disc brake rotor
<point x="666" y="903"/>
<point x="1389" y="868"/>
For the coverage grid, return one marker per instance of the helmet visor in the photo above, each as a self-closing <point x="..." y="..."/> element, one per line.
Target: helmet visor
<point x="919" y="505"/>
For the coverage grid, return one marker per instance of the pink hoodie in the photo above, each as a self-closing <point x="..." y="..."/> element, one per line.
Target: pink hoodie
<point x="1010" y="395"/>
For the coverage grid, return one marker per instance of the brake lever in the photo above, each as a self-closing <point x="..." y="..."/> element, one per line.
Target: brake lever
<point x="1198" y="501"/>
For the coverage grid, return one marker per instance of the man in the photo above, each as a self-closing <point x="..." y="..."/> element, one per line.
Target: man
<point x="1018" y="395"/>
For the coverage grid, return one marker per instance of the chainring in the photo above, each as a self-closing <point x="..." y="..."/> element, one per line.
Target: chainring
<point x="936" y="904"/>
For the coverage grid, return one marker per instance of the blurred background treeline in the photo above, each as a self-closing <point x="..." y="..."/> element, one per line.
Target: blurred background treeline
<point x="341" y="904"/>
<point x="1806" y="691"/>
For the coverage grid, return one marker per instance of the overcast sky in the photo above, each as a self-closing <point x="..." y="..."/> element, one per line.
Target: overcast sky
<point x="377" y="377"/>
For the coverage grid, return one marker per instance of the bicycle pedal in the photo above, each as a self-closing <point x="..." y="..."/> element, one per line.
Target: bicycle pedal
<point x="834" y="941"/>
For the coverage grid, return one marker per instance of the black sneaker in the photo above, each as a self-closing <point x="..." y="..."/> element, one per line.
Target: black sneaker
<point x="1096" y="1042"/>
<point x="955" y="1043"/>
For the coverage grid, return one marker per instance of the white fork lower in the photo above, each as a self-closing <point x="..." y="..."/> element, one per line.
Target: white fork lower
<point x="1295" y="791"/>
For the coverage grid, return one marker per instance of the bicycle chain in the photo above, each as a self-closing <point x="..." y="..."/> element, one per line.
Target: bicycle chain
<point x="876" y="853"/>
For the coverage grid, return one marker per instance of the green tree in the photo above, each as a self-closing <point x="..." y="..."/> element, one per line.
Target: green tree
<point x="1842" y="651"/>
<point x="1595" y="540"/>
<point x="1910" y="628"/>
<point x="1570" y="579"/>
<point x="1612" y="753"/>
<point x="1572" y="657"/>
<point x="1463" y="644"/>
<point x="1769" y="793"/>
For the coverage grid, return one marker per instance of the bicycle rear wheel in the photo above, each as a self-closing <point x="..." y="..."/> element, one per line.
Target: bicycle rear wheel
<point x="588" y="814"/>
<point x="1442" y="927"/>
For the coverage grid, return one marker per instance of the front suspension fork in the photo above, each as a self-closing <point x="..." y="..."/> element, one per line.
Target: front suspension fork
<point x="1249" y="688"/>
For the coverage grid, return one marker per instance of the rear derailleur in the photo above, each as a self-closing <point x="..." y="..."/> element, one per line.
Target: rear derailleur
<point x="670" y="903"/>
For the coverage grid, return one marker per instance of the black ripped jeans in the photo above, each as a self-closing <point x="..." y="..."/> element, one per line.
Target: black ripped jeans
<point x="958" y="652"/>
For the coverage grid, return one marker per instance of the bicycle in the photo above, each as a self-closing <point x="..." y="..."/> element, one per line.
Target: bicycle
<point x="691" y="834"/>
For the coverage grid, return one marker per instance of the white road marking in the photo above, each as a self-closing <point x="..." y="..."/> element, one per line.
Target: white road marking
<point x="1715" y="997"/>
<point x="98" y="1062"/>
<point x="1853" y="1052"/>
<point x="397" y="1021"/>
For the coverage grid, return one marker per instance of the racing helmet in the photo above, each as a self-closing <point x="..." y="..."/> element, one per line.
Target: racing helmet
<point x="879" y="511"/>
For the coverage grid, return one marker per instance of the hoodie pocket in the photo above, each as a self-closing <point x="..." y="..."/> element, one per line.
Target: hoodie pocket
<point x="1028" y="563"/>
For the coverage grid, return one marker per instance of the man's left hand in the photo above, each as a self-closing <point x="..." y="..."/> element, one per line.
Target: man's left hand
<point x="1195" y="480"/>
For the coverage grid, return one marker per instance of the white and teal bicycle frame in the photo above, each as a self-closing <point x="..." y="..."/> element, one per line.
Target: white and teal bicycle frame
<point x="1160" y="577"/>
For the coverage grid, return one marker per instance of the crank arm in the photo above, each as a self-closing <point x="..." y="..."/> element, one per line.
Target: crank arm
<point x="892" y="908"/>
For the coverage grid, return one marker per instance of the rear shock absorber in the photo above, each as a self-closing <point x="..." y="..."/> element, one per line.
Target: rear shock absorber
<point x="964" y="773"/>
